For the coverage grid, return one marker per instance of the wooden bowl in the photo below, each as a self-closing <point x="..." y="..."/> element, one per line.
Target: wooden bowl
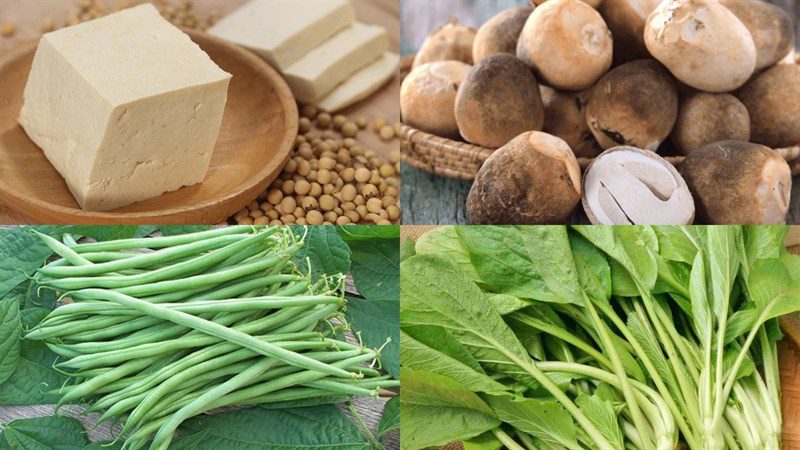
<point x="254" y="143"/>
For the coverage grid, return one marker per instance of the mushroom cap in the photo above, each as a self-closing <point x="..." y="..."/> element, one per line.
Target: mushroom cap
<point x="500" y="33"/>
<point x="567" y="43"/>
<point x="565" y="117"/>
<point x="630" y="186"/>
<point x="428" y="97"/>
<point x="702" y="43"/>
<point x="451" y="41"/>
<point x="626" y="20"/>
<point x="534" y="179"/>
<point x="704" y="118"/>
<point x="771" y="98"/>
<point x="735" y="182"/>
<point x="498" y="99"/>
<point x="770" y="27"/>
<point x="634" y="104"/>
<point x="593" y="3"/>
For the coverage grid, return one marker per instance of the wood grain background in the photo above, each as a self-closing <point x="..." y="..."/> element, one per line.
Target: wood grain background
<point x="429" y="199"/>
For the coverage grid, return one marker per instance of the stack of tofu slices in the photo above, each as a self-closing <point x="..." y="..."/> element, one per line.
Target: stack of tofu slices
<point x="326" y="56"/>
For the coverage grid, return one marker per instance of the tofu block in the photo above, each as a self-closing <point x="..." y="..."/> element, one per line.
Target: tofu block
<point x="361" y="84"/>
<point x="282" y="31"/>
<point x="125" y="107"/>
<point x="323" y="68"/>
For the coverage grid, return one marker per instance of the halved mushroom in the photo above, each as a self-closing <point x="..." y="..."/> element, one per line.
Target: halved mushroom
<point x="630" y="186"/>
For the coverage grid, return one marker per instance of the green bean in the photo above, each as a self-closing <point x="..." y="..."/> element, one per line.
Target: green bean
<point x="118" y="372"/>
<point x="214" y="329"/>
<point x="138" y="260"/>
<point x="163" y="241"/>
<point x="63" y="251"/>
<point x="309" y="322"/>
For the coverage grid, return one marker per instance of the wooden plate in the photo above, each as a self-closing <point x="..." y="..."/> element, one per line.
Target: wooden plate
<point x="254" y="143"/>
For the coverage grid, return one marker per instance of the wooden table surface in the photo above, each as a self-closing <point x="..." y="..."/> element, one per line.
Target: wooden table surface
<point x="430" y="199"/>
<point x="28" y="17"/>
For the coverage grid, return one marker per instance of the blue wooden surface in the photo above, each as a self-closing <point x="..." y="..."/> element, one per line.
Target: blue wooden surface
<point x="431" y="200"/>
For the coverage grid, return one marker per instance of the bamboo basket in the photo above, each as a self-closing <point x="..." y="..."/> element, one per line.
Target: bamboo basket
<point x="788" y="353"/>
<point x="462" y="160"/>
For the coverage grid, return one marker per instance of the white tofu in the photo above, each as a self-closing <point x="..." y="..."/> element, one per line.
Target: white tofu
<point x="362" y="84"/>
<point x="323" y="68"/>
<point x="125" y="107"/>
<point x="282" y="31"/>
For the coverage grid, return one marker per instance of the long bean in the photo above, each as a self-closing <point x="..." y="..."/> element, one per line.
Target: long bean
<point x="163" y="241"/>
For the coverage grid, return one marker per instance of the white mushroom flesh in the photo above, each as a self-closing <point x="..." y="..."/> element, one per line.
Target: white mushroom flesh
<point x="628" y="186"/>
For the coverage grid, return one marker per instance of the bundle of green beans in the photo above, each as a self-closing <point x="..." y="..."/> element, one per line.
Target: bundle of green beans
<point x="162" y="329"/>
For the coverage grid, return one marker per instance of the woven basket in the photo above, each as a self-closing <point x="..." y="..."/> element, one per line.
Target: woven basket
<point x="788" y="353"/>
<point x="461" y="160"/>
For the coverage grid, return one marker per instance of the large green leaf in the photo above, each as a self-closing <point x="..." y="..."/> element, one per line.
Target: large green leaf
<point x="375" y="321"/>
<point x="485" y="441"/>
<point x="772" y="290"/>
<point x="21" y="253"/>
<point x="446" y="242"/>
<point x="435" y="350"/>
<point x="407" y="248"/>
<point x="723" y="265"/>
<point x="34" y="375"/>
<point x="678" y="243"/>
<point x="390" y="418"/>
<point x="701" y="311"/>
<point x="10" y="330"/>
<point x="318" y="427"/>
<point x="46" y="433"/>
<point x="437" y="410"/>
<point x="547" y="419"/>
<point x="601" y="413"/>
<point x="324" y="250"/>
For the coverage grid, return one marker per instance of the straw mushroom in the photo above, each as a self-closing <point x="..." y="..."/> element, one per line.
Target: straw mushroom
<point x="452" y="41"/>
<point x="735" y="182"/>
<point x="565" y="117"/>
<point x="498" y="100"/>
<point x="635" y="104"/>
<point x="567" y="43"/>
<point x="593" y="3"/>
<point x="770" y="27"/>
<point x="771" y="98"/>
<point x="534" y="179"/>
<point x="631" y="186"/>
<point x="702" y="43"/>
<point x="500" y="33"/>
<point x="704" y="118"/>
<point x="626" y="20"/>
<point x="428" y="97"/>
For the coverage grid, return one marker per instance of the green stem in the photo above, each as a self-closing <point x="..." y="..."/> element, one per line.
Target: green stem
<point x="371" y="437"/>
<point x="507" y="440"/>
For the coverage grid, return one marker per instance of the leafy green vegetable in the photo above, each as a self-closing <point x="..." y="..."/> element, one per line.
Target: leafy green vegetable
<point x="390" y="419"/>
<point x="45" y="433"/>
<point x="20" y="254"/>
<point x="324" y="251"/>
<point x="10" y="325"/>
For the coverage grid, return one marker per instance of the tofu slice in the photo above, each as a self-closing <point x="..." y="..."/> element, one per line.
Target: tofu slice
<point x="125" y="107"/>
<point x="362" y="84"/>
<point x="323" y="68"/>
<point x="282" y="31"/>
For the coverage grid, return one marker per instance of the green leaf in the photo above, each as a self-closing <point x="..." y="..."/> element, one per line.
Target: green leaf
<point x="594" y="272"/>
<point x="502" y="261"/>
<point x="435" y="290"/>
<point x="445" y="241"/>
<point x="34" y="375"/>
<point x="678" y="243"/>
<point x="723" y="265"/>
<point x="10" y="331"/>
<point x="407" y="249"/>
<point x="544" y="419"/>
<point x="21" y="253"/>
<point x="505" y="303"/>
<point x="174" y="230"/>
<point x="189" y="441"/>
<point x="772" y="290"/>
<point x="350" y="233"/>
<point x="601" y="413"/>
<point x="437" y="410"/>
<point x="302" y="403"/>
<point x="549" y="250"/>
<point x="376" y="320"/>
<point x="324" y="249"/>
<point x="46" y="433"/>
<point x="103" y="232"/>
<point x="701" y="311"/>
<point x="318" y="427"/>
<point x="485" y="441"/>
<point x="435" y="350"/>
<point x="390" y="419"/>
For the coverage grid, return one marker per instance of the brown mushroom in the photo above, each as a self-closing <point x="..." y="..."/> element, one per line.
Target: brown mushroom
<point x="626" y="20"/>
<point x="634" y="104"/>
<point x="500" y="33"/>
<point x="704" y="118"/>
<point x="534" y="179"/>
<point x="770" y="27"/>
<point x="565" y="117"/>
<point x="735" y="182"/>
<point x="498" y="99"/>
<point x="451" y="41"/>
<point x="567" y="43"/>
<point x="631" y="186"/>
<point x="773" y="100"/>
<point x="428" y="97"/>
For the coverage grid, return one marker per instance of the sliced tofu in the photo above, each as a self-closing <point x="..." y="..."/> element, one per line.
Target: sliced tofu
<point x="125" y="107"/>
<point x="323" y="68"/>
<point x="362" y="84"/>
<point x="282" y="31"/>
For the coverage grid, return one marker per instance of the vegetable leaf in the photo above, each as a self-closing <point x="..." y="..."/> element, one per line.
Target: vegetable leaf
<point x="46" y="433"/>
<point x="445" y="241"/>
<point x="546" y="420"/>
<point x="10" y="330"/>
<point x="326" y="251"/>
<point x="20" y="254"/>
<point x="390" y="419"/>
<point x="601" y="413"/>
